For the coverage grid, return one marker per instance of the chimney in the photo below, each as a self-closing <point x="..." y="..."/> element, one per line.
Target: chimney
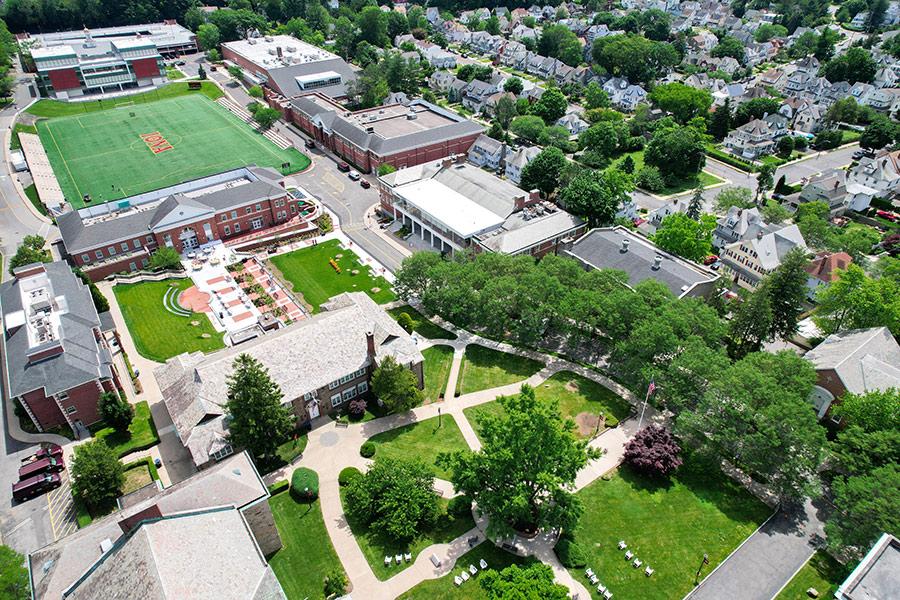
<point x="519" y="202"/>
<point x="278" y="51"/>
<point x="445" y="163"/>
<point x="657" y="262"/>
<point x="836" y="184"/>
<point x="370" y="345"/>
<point x="625" y="244"/>
<point x="759" y="234"/>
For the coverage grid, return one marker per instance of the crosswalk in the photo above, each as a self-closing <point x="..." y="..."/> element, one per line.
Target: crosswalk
<point x="61" y="506"/>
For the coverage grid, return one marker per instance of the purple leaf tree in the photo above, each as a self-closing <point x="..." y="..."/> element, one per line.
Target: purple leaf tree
<point x="653" y="451"/>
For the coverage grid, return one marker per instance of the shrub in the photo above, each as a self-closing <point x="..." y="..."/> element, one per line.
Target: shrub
<point x="654" y="451"/>
<point x="325" y="223"/>
<point x="357" y="408"/>
<point x="460" y="506"/>
<point x="165" y="258"/>
<point x="570" y="553"/>
<point x="406" y="322"/>
<point x="115" y="410"/>
<point x="611" y="421"/>
<point x="335" y="583"/>
<point x="305" y="484"/>
<point x="348" y="475"/>
<point x="648" y="177"/>
<point x="367" y="450"/>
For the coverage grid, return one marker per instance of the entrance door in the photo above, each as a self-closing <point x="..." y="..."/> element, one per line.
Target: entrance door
<point x="189" y="239"/>
<point x="312" y="409"/>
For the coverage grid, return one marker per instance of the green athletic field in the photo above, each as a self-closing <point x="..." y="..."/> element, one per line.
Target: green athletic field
<point x="102" y="153"/>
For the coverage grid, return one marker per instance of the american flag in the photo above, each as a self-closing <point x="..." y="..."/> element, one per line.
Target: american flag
<point x="651" y="388"/>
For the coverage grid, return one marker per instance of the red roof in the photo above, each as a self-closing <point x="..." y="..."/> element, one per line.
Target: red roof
<point x="825" y="265"/>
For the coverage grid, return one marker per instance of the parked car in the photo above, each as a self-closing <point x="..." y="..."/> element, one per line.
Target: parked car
<point x="310" y="143"/>
<point x="365" y="184"/>
<point x="34" y="486"/>
<point x="343" y="167"/>
<point x="43" y="465"/>
<point x="712" y="258"/>
<point x="213" y="68"/>
<point x="886" y="214"/>
<point x="354" y="175"/>
<point x="46" y="451"/>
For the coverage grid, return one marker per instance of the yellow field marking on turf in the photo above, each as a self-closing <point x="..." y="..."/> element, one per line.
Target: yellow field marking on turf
<point x="66" y="164"/>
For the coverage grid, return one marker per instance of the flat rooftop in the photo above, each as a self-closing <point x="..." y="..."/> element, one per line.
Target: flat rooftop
<point x="263" y="51"/>
<point x="397" y="120"/>
<point x="878" y="575"/>
<point x="163" y="35"/>
<point x="445" y="206"/>
<point x="621" y="249"/>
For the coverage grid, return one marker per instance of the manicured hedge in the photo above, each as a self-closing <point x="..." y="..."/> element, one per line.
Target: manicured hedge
<point x="367" y="450"/>
<point x="460" y="506"/>
<point x="348" y="475"/>
<point x="730" y="159"/>
<point x="278" y="487"/>
<point x="570" y="553"/>
<point x="305" y="484"/>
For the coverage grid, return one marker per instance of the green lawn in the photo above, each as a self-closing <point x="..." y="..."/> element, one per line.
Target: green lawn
<point x="55" y="108"/>
<point x="159" y="334"/>
<point x="821" y="572"/>
<point x="14" y="142"/>
<point x="136" y="478"/>
<point x="575" y="395"/>
<point x="174" y="74"/>
<point x="292" y="448"/>
<point x="141" y="433"/>
<point x="32" y="193"/>
<point x="310" y="274"/>
<point x="443" y="588"/>
<point x="375" y="545"/>
<point x="704" y="179"/>
<point x="422" y="325"/>
<point x="484" y="368"/>
<point x="438" y="360"/>
<point x="307" y="556"/>
<point x="103" y="154"/>
<point x="423" y="440"/>
<point x="669" y="526"/>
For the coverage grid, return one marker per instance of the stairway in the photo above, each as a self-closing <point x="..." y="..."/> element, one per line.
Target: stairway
<point x="245" y="115"/>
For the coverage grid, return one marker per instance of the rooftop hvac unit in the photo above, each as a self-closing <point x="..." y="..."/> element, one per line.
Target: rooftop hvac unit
<point x="411" y="116"/>
<point x="290" y="49"/>
<point x="272" y="51"/>
<point x="269" y="38"/>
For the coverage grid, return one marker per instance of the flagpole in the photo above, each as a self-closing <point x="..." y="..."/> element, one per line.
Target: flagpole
<point x="643" y="408"/>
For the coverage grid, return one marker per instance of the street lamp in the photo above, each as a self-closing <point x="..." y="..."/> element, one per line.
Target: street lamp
<point x="705" y="561"/>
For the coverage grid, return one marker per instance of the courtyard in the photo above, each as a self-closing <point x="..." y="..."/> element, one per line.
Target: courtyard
<point x="484" y="368"/>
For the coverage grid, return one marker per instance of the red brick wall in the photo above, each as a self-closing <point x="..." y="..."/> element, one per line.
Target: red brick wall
<point x="44" y="409"/>
<point x="145" y="67"/>
<point x="105" y="270"/>
<point x="248" y="66"/>
<point x="84" y="398"/>
<point x="425" y="154"/>
<point x="64" y="79"/>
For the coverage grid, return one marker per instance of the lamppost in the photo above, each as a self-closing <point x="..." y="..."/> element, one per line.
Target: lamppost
<point x="705" y="561"/>
<point x="439" y="417"/>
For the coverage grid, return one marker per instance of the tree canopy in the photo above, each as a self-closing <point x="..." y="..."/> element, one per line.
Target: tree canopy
<point x="596" y="195"/>
<point x="856" y="301"/>
<point x="856" y="64"/>
<point x="532" y="581"/>
<point x="396" y="386"/>
<point x="14" y="581"/>
<point x="543" y="172"/>
<point x="676" y="151"/>
<point x="682" y="101"/>
<point x="634" y="57"/>
<point x="529" y="457"/>
<point x="681" y="235"/>
<point x="30" y="251"/>
<point x="97" y="474"/>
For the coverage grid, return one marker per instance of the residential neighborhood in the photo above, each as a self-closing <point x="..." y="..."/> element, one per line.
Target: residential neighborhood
<point x="392" y="300"/>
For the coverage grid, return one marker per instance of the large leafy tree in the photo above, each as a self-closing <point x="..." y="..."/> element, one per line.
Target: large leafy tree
<point x="395" y="497"/>
<point x="856" y="64"/>
<point x="396" y="386"/>
<point x="876" y="410"/>
<point x="856" y="301"/>
<point x="520" y="477"/>
<point x="754" y="411"/>
<point x="653" y="451"/>
<point x="558" y="41"/>
<point x="529" y="127"/>
<point x="676" y="151"/>
<point x="208" y="36"/>
<point x="682" y="101"/>
<point x="97" y="474"/>
<point x="786" y="287"/>
<point x="543" y="172"/>
<point x="729" y="46"/>
<point x="866" y="507"/>
<point x="30" y="251"/>
<point x="720" y="121"/>
<point x="14" y="584"/>
<point x="259" y="422"/>
<point x="597" y="195"/>
<point x="750" y="324"/>
<point x="680" y="234"/>
<point x="115" y="410"/>
<point x="879" y="133"/>
<point x="372" y="26"/>
<point x="551" y="106"/>
<point x="532" y="581"/>
<point x="634" y="57"/>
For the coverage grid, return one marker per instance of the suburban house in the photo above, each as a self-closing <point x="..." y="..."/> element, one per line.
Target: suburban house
<point x="320" y="364"/>
<point x="739" y="224"/>
<point x="453" y="206"/>
<point x="476" y="94"/>
<point x="751" y="140"/>
<point x="823" y="270"/>
<point x="876" y="576"/>
<point x="289" y="66"/>
<point x="205" y="537"/>
<point x="855" y="361"/>
<point x="71" y="64"/>
<point x="881" y="173"/>
<point x="834" y="189"/>
<point x="624" y="95"/>
<point x="487" y="152"/>
<point x="625" y="250"/>
<point x="573" y="123"/>
<point x="751" y="260"/>
<point x="57" y="361"/>
<point x="397" y="135"/>
<point x="234" y="207"/>
<point x="518" y="160"/>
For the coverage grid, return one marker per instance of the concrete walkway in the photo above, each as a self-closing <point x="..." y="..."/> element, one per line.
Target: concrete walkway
<point x="332" y="448"/>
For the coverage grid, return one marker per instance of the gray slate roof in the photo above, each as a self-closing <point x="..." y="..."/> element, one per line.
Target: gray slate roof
<point x="82" y="359"/>
<point x="602" y="249"/>
<point x="284" y="78"/>
<point x="865" y="359"/>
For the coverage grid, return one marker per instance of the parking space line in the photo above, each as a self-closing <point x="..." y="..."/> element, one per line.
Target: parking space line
<point x="52" y="521"/>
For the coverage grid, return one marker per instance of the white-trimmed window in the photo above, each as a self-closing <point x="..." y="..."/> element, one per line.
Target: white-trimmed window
<point x="363" y="387"/>
<point x="336" y="400"/>
<point x="307" y="396"/>
<point x="98" y="254"/>
<point x="85" y="258"/>
<point x="334" y="384"/>
<point x="227" y="230"/>
<point x="349" y="394"/>
<point x="136" y="244"/>
<point x="111" y="250"/>
<point x="237" y="227"/>
<point x="220" y="454"/>
<point x="124" y="246"/>
<point x="359" y="373"/>
<point x="71" y="410"/>
<point x="150" y="239"/>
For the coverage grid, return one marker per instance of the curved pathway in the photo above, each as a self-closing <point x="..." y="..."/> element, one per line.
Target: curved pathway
<point x="333" y="447"/>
